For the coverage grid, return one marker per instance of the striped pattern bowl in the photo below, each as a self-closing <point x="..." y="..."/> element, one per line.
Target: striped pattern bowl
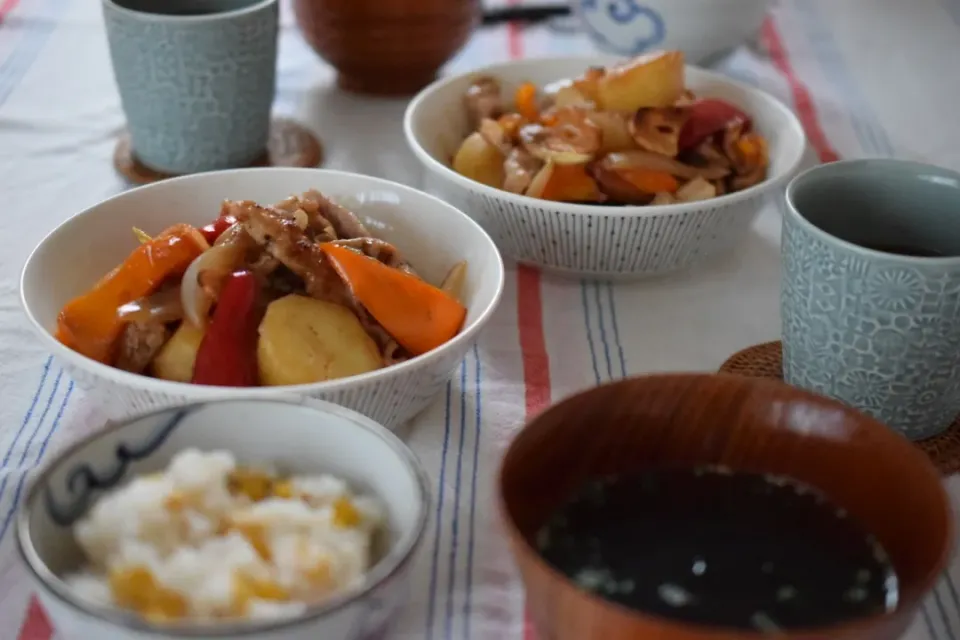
<point x="591" y="240"/>
<point x="434" y="234"/>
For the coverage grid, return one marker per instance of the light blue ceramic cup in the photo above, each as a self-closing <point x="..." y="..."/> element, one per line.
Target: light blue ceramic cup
<point x="196" y="79"/>
<point x="870" y="299"/>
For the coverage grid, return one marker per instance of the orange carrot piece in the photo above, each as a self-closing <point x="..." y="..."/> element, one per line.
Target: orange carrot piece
<point x="525" y="100"/>
<point x="418" y="315"/>
<point x="571" y="183"/>
<point x="649" y="181"/>
<point x="89" y="323"/>
<point x="751" y="147"/>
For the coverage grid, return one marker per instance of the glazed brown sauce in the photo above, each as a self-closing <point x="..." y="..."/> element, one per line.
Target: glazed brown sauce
<point x="712" y="547"/>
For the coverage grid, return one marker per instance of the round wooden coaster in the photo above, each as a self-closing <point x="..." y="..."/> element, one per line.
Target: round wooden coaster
<point x="291" y="145"/>
<point x="766" y="361"/>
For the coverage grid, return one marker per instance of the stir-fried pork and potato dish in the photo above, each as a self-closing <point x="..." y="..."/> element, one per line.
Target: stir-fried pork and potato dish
<point x="293" y="293"/>
<point x="630" y="134"/>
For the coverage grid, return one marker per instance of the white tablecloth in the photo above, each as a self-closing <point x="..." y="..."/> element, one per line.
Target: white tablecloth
<point x="868" y="78"/>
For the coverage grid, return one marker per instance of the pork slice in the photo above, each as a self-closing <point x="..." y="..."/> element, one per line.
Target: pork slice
<point x="345" y="223"/>
<point x="483" y="99"/>
<point x="284" y="240"/>
<point x="139" y="344"/>
<point x="380" y="250"/>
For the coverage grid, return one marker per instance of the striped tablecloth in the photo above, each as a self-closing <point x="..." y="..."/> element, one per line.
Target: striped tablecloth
<point x="867" y="77"/>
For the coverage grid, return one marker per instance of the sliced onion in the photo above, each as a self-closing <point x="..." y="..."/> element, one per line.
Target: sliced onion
<point x="453" y="282"/>
<point x="657" y="162"/>
<point x="163" y="307"/>
<point x="212" y="265"/>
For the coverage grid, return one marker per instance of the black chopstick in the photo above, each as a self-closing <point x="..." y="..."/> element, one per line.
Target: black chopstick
<point x="535" y="14"/>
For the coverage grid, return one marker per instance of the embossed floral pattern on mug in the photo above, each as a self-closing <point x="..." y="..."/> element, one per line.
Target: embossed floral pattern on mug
<point x="879" y="331"/>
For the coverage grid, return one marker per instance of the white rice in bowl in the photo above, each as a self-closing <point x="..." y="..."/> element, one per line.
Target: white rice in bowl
<point x="208" y="539"/>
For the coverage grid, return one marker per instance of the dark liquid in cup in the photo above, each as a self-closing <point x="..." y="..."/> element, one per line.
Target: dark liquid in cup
<point x="905" y="250"/>
<point x="706" y="546"/>
<point x="185" y="7"/>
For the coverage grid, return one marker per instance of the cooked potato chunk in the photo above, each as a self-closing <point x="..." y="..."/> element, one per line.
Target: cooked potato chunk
<point x="175" y="360"/>
<point x="479" y="160"/>
<point x="305" y="340"/>
<point x="654" y="80"/>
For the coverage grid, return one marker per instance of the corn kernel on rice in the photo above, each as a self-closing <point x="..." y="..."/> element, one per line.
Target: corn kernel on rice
<point x="208" y="539"/>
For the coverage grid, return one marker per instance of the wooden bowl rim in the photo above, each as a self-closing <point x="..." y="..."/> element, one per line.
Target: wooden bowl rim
<point x="521" y="546"/>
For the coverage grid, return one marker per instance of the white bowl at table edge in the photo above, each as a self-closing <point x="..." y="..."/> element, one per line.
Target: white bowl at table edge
<point x="548" y="234"/>
<point x="485" y="280"/>
<point x="395" y="564"/>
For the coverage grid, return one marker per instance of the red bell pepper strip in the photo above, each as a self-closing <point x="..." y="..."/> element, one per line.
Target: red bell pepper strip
<point x="228" y="353"/>
<point x="707" y="117"/>
<point x="213" y="230"/>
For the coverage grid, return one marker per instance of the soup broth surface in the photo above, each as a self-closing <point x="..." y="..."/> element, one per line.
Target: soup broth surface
<point x="713" y="547"/>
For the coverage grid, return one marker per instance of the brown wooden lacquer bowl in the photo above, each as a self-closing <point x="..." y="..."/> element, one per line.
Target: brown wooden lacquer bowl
<point x="743" y="423"/>
<point x="387" y="47"/>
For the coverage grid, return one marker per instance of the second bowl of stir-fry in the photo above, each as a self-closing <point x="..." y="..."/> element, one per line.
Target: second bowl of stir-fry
<point x="262" y="282"/>
<point x="605" y="167"/>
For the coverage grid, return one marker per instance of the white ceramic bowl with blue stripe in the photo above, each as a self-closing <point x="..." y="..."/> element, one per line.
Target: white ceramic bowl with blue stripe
<point x="298" y="435"/>
<point x="596" y="241"/>
<point x="434" y="234"/>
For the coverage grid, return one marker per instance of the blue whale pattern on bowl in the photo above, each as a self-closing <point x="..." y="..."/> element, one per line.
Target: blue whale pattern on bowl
<point x="616" y="23"/>
<point x="83" y="480"/>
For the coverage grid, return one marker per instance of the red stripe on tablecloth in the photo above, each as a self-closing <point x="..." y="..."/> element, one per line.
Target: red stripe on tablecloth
<point x="533" y="346"/>
<point x="802" y="101"/>
<point x="6" y="7"/>
<point x="36" y="625"/>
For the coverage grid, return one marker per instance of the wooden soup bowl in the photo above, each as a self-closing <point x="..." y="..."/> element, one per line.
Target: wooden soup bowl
<point x="386" y="47"/>
<point x="743" y="423"/>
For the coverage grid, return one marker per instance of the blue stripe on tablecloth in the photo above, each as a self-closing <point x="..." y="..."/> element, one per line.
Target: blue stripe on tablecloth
<point x="584" y="301"/>
<point x="947" y="582"/>
<point x="4" y="466"/>
<point x="477" y="400"/>
<point x="24" y="422"/>
<point x="823" y="45"/>
<point x="953" y="8"/>
<point x="603" y="330"/>
<point x="616" y="331"/>
<point x="31" y="43"/>
<point x="432" y="594"/>
<point x="455" y="519"/>
<point x="468" y="58"/>
<point x="8" y="518"/>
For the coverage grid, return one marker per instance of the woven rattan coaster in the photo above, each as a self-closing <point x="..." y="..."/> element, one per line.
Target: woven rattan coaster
<point x="766" y="361"/>
<point x="291" y="145"/>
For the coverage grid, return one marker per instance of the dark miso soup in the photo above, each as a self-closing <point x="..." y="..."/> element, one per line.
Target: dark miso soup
<point x="713" y="547"/>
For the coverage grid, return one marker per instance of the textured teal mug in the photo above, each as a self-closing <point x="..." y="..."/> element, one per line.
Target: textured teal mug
<point x="870" y="298"/>
<point x="196" y="78"/>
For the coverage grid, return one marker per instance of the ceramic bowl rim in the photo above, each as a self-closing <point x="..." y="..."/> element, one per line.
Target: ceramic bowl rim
<point x="388" y="566"/>
<point x="918" y="169"/>
<point x="146" y="16"/>
<point x="577" y="64"/>
<point x="202" y="392"/>
<point x="522" y="547"/>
